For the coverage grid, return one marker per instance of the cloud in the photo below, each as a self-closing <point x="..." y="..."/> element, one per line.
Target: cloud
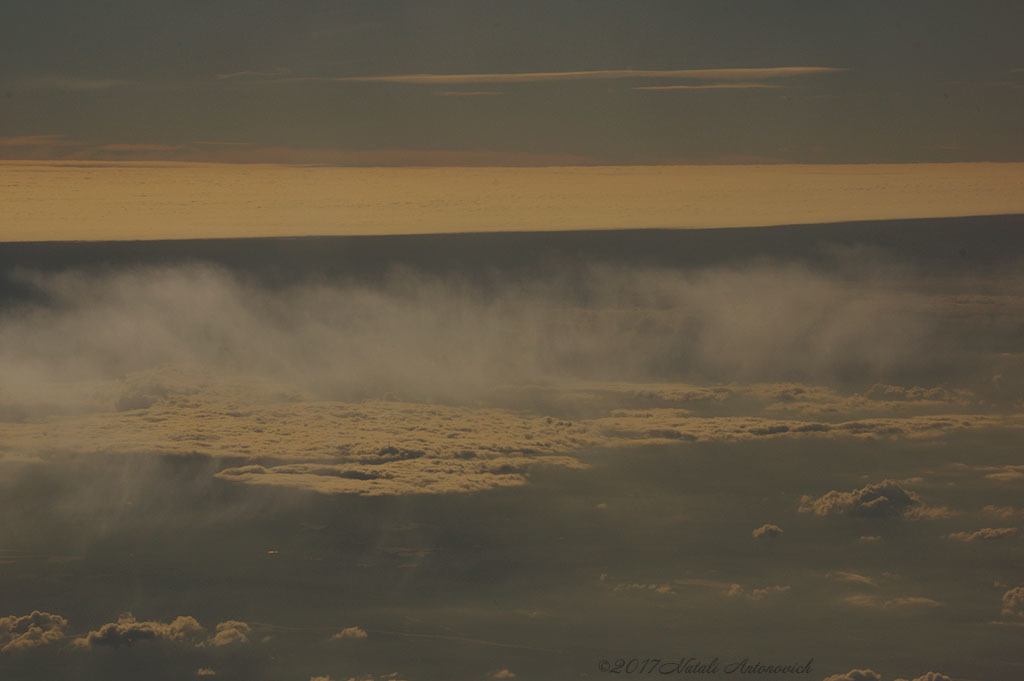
<point x="467" y="93"/>
<point x="350" y="632"/>
<point x="930" y="676"/>
<point x="30" y="631"/>
<point x="131" y="148"/>
<point x="393" y="676"/>
<point x="205" y="671"/>
<point x="1004" y="512"/>
<point x="886" y="499"/>
<point x="1013" y="603"/>
<point x="665" y="589"/>
<point x="740" y="74"/>
<point x="231" y="631"/>
<point x="867" y="601"/>
<point x="767" y="531"/>
<point x="737" y="591"/>
<point x="851" y="578"/>
<point x="430" y="385"/>
<point x="715" y="86"/>
<point x="503" y="674"/>
<point x="75" y="83"/>
<point x="127" y="631"/>
<point x="856" y="675"/>
<point x="275" y="73"/>
<point x="984" y="534"/>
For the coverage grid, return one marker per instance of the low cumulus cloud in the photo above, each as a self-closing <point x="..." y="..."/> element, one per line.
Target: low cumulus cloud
<point x="984" y="534"/>
<point x="738" y="591"/>
<point x="229" y="632"/>
<point x="871" y="675"/>
<point x="128" y="631"/>
<point x="856" y="675"/>
<point x="886" y="499"/>
<point x="30" y="631"/>
<point x="767" y="532"/>
<point x="1013" y="603"/>
<point x="351" y="633"/>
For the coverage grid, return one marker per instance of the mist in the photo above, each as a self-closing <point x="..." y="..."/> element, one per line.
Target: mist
<point x="421" y="337"/>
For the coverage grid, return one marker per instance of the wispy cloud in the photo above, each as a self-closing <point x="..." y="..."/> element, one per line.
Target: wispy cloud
<point x="467" y="93"/>
<point x="713" y="86"/>
<point x="605" y="74"/>
<point x="75" y="83"/>
<point x="275" y="73"/>
<point x="744" y="75"/>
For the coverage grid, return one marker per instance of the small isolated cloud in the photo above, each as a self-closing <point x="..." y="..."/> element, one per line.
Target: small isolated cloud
<point x="930" y="676"/>
<point x="866" y="601"/>
<point x="851" y="578"/>
<point x="231" y="631"/>
<point x="127" y="631"/>
<point x="737" y="591"/>
<point x="30" y="631"/>
<point x="984" y="534"/>
<point x="653" y="588"/>
<point x="869" y="538"/>
<point x="886" y="499"/>
<point x="1004" y="512"/>
<point x="205" y="671"/>
<point x="351" y="632"/>
<point x="767" y="531"/>
<point x="856" y="675"/>
<point x="503" y="674"/>
<point x="1013" y="603"/>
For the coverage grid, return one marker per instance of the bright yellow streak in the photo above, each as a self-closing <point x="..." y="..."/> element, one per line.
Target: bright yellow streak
<point x="90" y="201"/>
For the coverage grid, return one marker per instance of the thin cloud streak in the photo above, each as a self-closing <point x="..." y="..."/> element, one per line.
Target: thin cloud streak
<point x="715" y="86"/>
<point x="742" y="74"/>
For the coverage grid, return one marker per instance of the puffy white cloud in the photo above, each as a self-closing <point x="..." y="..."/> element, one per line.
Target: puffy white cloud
<point x="767" y="531"/>
<point x="886" y="499"/>
<point x="1013" y="603"/>
<point x="351" y="632"/>
<point x="30" y="631"/>
<point x="231" y="631"/>
<point x="856" y="675"/>
<point x="127" y="631"/>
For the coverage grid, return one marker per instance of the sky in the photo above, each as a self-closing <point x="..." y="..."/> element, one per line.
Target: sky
<point x="461" y="417"/>
<point x="513" y="83"/>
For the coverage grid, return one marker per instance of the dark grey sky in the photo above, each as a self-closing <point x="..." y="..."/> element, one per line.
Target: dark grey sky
<point x="919" y="80"/>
